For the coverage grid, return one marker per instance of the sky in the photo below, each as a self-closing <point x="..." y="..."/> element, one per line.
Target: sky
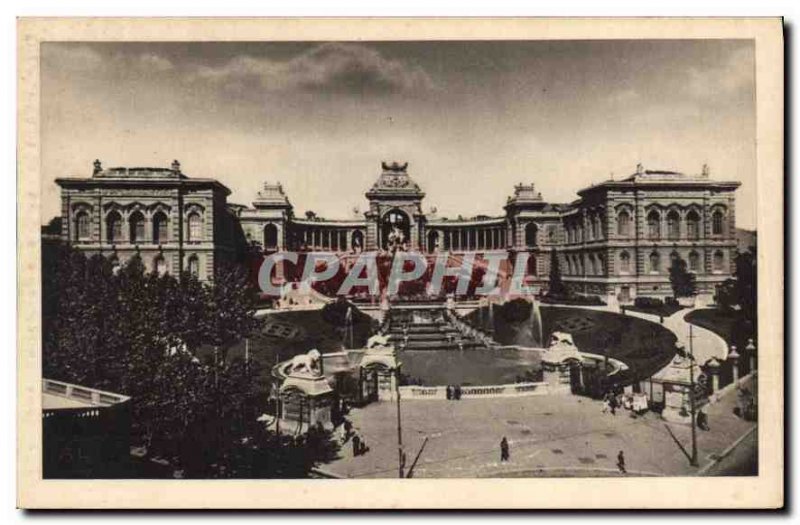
<point x="472" y="119"/>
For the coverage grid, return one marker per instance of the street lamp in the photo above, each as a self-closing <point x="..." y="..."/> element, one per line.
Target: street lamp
<point x="733" y="357"/>
<point x="751" y="352"/>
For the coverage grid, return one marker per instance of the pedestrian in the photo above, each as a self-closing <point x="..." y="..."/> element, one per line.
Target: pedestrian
<point x="702" y="419"/>
<point x="458" y="392"/>
<point x="621" y="462"/>
<point x="449" y="392"/>
<point x="356" y="445"/>
<point x="504" y="451"/>
<point x="612" y="403"/>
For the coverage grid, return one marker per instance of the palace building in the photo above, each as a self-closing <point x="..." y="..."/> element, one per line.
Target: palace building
<point x="615" y="241"/>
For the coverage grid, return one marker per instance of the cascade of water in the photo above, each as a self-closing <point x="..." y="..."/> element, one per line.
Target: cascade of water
<point x="536" y="323"/>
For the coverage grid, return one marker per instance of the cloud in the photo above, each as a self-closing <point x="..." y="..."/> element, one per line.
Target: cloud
<point x="728" y="78"/>
<point x="69" y="57"/>
<point x="330" y="67"/>
<point x="81" y="58"/>
<point x="153" y="62"/>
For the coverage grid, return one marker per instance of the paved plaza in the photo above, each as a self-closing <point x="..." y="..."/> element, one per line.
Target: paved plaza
<point x="548" y="436"/>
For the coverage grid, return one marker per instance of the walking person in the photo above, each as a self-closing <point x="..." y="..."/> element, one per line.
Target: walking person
<point x="702" y="419"/>
<point x="356" y="445"/>
<point x="621" y="462"/>
<point x="504" y="451"/>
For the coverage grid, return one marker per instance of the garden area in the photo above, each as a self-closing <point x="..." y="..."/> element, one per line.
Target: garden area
<point x="287" y="334"/>
<point x="655" y="306"/>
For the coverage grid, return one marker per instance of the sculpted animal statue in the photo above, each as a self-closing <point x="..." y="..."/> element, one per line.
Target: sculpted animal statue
<point x="307" y="364"/>
<point x="378" y="341"/>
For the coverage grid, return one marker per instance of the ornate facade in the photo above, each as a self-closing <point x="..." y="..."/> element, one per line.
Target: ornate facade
<point x="616" y="240"/>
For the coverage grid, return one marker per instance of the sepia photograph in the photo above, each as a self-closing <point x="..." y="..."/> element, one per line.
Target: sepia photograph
<point x="344" y="259"/>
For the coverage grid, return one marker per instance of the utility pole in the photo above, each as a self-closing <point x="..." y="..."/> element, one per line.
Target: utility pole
<point x="400" y="455"/>
<point x="693" y="460"/>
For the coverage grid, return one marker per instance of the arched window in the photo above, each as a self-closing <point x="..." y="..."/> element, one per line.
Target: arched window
<point x="624" y="223"/>
<point x="270" y="236"/>
<point x="655" y="262"/>
<point x="654" y="225"/>
<point x="693" y="225"/>
<point x="531" y="231"/>
<point x="194" y="266"/>
<point x="82" y="226"/>
<point x="433" y="241"/>
<point x="673" y="225"/>
<point x="598" y="227"/>
<point x="600" y="270"/>
<point x="113" y="227"/>
<point x="694" y="261"/>
<point x="569" y="265"/>
<point x="718" y="261"/>
<point x="532" y="265"/>
<point x="357" y="241"/>
<point x="624" y="262"/>
<point x="160" y="265"/>
<point x="195" y="227"/>
<point x="136" y="226"/>
<point x="160" y="228"/>
<point x="717" y="220"/>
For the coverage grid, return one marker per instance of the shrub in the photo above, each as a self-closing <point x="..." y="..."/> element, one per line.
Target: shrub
<point x="583" y="300"/>
<point x="648" y="302"/>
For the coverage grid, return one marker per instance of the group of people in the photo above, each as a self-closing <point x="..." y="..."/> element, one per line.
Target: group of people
<point x="636" y="403"/>
<point x="351" y="434"/>
<point x="453" y="392"/>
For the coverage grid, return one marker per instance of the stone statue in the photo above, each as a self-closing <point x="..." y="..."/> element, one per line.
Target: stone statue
<point x="307" y="365"/>
<point x="395" y="239"/>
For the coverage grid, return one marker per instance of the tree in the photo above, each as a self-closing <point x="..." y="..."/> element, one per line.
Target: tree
<point x="556" y="285"/>
<point x="682" y="280"/>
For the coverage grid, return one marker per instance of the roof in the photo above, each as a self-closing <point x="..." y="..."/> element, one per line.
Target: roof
<point x="394" y="180"/>
<point x="663" y="178"/>
<point x="58" y="395"/>
<point x="136" y="176"/>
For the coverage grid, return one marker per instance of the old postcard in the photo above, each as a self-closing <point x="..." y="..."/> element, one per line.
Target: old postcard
<point x="398" y="263"/>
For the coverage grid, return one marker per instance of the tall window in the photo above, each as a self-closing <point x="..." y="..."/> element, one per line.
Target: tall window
<point x="82" y="226"/>
<point x="598" y="227"/>
<point x="655" y="262"/>
<point x="624" y="262"/>
<point x="718" y="261"/>
<point x="600" y="270"/>
<point x="694" y="261"/>
<point x="624" y="224"/>
<point x="160" y="265"/>
<point x="195" y="227"/>
<point x="673" y="225"/>
<point x="654" y="225"/>
<point x="194" y="266"/>
<point x="113" y="227"/>
<point x="160" y="228"/>
<point x="693" y="225"/>
<point x="717" y="220"/>
<point x="531" y="231"/>
<point x="136" y="225"/>
<point x="270" y="236"/>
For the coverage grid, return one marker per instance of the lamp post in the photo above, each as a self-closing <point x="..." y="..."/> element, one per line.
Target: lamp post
<point x="733" y="357"/>
<point x="713" y="368"/>
<point x="693" y="408"/>
<point x="400" y="455"/>
<point x="751" y="352"/>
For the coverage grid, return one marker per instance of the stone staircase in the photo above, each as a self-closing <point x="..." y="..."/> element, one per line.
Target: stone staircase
<point x="431" y="329"/>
